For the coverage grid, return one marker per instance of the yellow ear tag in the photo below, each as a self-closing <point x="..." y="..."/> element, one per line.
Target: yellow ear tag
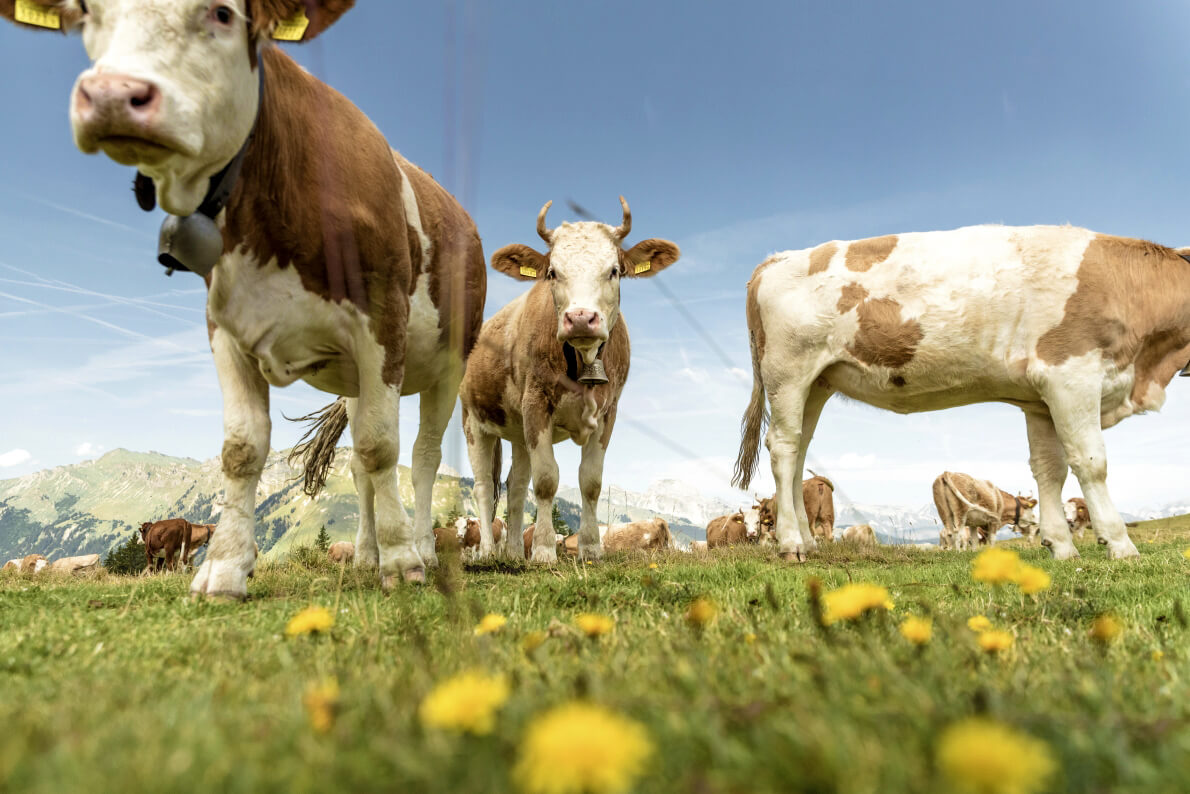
<point x="531" y="272"/>
<point x="33" y="14"/>
<point x="293" y="28"/>
<point x="642" y="267"/>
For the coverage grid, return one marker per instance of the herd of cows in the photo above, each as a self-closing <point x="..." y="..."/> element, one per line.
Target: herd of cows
<point x="330" y="258"/>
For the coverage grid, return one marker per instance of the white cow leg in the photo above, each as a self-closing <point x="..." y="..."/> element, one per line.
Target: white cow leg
<point x="518" y="487"/>
<point x="784" y="441"/>
<point x="480" y="446"/>
<point x="367" y="553"/>
<point x="1076" y="418"/>
<point x="436" y="405"/>
<point x="246" y="429"/>
<point x="1048" y="462"/>
<point x="815" y="402"/>
<point x="545" y="486"/>
<point x="590" y="481"/>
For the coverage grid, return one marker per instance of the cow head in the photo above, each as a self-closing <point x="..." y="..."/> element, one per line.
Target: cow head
<point x="173" y="86"/>
<point x="583" y="267"/>
<point x="1027" y="524"/>
<point x="751" y="519"/>
<point x="144" y="529"/>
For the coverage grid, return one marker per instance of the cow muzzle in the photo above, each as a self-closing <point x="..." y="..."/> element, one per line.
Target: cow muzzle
<point x="121" y="115"/>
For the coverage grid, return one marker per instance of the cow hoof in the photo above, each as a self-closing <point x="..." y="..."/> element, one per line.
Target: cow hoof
<point x="367" y="565"/>
<point x="1061" y="551"/>
<point x="1122" y="550"/>
<point x="220" y="597"/>
<point x="793" y="556"/>
<point x="545" y="555"/>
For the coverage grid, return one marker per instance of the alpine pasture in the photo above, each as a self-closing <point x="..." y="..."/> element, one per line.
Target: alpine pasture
<point x="722" y="661"/>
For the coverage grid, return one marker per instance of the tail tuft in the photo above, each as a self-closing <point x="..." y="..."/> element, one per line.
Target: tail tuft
<point x="316" y="449"/>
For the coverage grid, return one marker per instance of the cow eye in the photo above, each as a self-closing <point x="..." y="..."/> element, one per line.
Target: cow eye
<point x="550" y="275"/>
<point x="612" y="275"/>
<point x="222" y="14"/>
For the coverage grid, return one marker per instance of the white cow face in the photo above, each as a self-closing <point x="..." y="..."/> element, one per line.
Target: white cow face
<point x="173" y="84"/>
<point x="1028" y="521"/>
<point x="583" y="268"/>
<point x="1071" y="510"/>
<point x="752" y="523"/>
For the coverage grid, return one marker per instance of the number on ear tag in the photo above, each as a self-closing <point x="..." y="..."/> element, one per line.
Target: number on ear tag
<point x="33" y="14"/>
<point x="293" y="28"/>
<point x="642" y="267"/>
<point x="531" y="272"/>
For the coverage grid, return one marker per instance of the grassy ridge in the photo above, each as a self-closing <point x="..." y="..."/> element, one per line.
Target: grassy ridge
<point x="122" y="684"/>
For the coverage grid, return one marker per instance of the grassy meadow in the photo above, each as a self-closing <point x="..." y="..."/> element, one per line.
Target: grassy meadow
<point x="122" y="684"/>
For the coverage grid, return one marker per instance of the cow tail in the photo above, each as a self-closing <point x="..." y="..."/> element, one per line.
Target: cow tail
<point x="753" y="422"/>
<point x="315" y="452"/>
<point x="497" y="464"/>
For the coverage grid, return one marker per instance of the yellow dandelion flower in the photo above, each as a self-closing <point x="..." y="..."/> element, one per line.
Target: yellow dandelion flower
<point x="490" y="624"/>
<point x="322" y="701"/>
<point x="612" y="755"/>
<point x="852" y="600"/>
<point x="1157" y="655"/>
<point x="993" y="641"/>
<point x="1186" y="554"/>
<point x="309" y="621"/>
<point x="750" y="638"/>
<point x="1032" y="579"/>
<point x="995" y="566"/>
<point x="652" y="566"/>
<point x="466" y="703"/>
<point x="1106" y="629"/>
<point x="533" y="640"/>
<point x="917" y="630"/>
<point x="594" y="625"/>
<point x="702" y="612"/>
<point x="979" y="623"/>
<point x="979" y="756"/>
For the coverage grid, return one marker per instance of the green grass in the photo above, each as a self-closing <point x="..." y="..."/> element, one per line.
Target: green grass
<point x="121" y="684"/>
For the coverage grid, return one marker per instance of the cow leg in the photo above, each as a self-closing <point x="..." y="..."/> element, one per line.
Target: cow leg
<point x="246" y="429"/>
<point x="518" y="487"/>
<point x="1076" y="418"/>
<point x="367" y="553"/>
<point x="1048" y="462"/>
<point x="590" y="482"/>
<point x="436" y="405"/>
<point x="480" y="445"/>
<point x="545" y="486"/>
<point x="786" y="442"/>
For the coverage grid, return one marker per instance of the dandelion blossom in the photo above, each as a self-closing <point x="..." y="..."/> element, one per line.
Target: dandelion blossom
<point x="1186" y="554"/>
<point x="594" y="625"/>
<point x="852" y="600"/>
<point x="321" y="701"/>
<point x="702" y="612"/>
<point x="1105" y="629"/>
<point x="490" y="624"/>
<point x="310" y="621"/>
<point x="994" y="641"/>
<point x="611" y="756"/>
<point x="917" y="630"/>
<point x="533" y="640"/>
<point x="1032" y="579"/>
<point x="980" y="756"/>
<point x="1157" y="655"/>
<point x="652" y="566"/>
<point x="466" y="703"/>
<point x="979" y="623"/>
<point x="995" y="566"/>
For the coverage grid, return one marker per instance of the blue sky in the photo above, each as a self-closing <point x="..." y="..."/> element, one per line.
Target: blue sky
<point x="734" y="130"/>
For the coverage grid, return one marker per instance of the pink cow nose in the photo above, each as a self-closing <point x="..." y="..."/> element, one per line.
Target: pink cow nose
<point x="581" y="322"/>
<point x="108" y="98"/>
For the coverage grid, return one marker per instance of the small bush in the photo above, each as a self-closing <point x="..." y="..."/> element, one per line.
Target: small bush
<point x="127" y="559"/>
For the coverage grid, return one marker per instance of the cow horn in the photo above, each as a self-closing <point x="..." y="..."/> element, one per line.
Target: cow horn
<point x="622" y="231"/>
<point x="542" y="231"/>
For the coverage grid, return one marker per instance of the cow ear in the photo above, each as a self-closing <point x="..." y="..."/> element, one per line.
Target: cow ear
<point x="62" y="16"/>
<point x="294" y="20"/>
<point x="521" y="262"/>
<point x="649" y="256"/>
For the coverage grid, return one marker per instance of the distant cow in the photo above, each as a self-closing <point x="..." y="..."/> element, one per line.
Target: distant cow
<point x="966" y="504"/>
<point x="342" y="552"/>
<point x="550" y="366"/>
<point x="75" y="565"/>
<point x="698" y="546"/>
<point x="650" y="535"/>
<point x="559" y="539"/>
<point x="12" y="565"/>
<point x="862" y="534"/>
<point x="200" y="535"/>
<point x="446" y="539"/>
<point x="1080" y="330"/>
<point x="730" y="530"/>
<point x="163" y="541"/>
<point x="818" y="499"/>
<point x="470" y="536"/>
<point x="32" y="563"/>
<point x="1077" y="516"/>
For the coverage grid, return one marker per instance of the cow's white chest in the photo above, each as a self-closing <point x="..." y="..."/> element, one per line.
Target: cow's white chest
<point x="291" y="332"/>
<point x="424" y="359"/>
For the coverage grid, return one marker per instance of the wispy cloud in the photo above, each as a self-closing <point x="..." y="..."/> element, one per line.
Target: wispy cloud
<point x="15" y="457"/>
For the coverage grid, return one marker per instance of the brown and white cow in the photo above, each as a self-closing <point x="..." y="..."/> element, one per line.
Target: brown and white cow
<point x="532" y="380"/>
<point x="968" y="505"/>
<point x="164" y="540"/>
<point x="75" y="565"/>
<point x="1080" y="330"/>
<point x="730" y="530"/>
<point x="469" y="535"/>
<point x="818" y="499"/>
<point x="650" y="535"/>
<point x="527" y="537"/>
<point x="333" y="260"/>
<point x="341" y="552"/>
<point x="1077" y="516"/>
<point x="862" y="534"/>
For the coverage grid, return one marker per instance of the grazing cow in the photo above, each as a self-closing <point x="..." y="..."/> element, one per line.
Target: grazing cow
<point x="163" y="540"/>
<point x="819" y="501"/>
<point x="470" y="536"/>
<point x="698" y="546"/>
<point x="1079" y="330"/>
<point x="446" y="539"/>
<point x="342" y="552"/>
<point x="328" y="257"/>
<point x="75" y="565"/>
<point x="550" y="366"/>
<point x="651" y="535"/>
<point x="730" y="531"/>
<point x="863" y="534"/>
<point x="32" y="563"/>
<point x="1077" y="517"/>
<point x="12" y="565"/>
<point x="965" y="504"/>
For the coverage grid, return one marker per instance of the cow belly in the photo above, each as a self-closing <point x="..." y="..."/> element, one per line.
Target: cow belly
<point x="924" y="393"/>
<point x="425" y="350"/>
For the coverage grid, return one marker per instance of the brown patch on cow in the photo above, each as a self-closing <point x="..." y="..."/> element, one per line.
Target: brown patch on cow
<point x="850" y="297"/>
<point x="1130" y="304"/>
<point x="727" y="531"/>
<point x="884" y="339"/>
<point x="821" y="257"/>
<point x="609" y="421"/>
<point x="862" y="255"/>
